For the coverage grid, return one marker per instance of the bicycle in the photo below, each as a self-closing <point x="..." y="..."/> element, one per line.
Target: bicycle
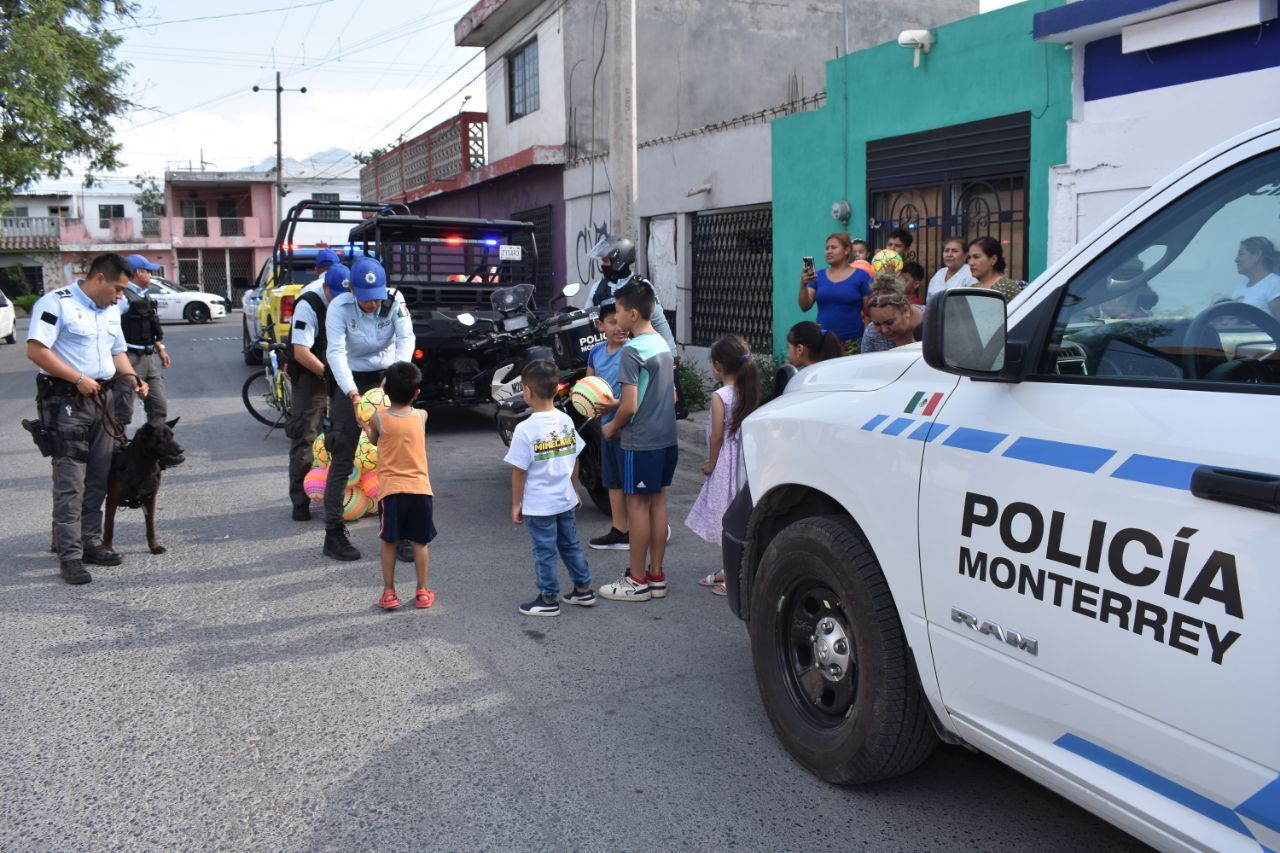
<point x="267" y="392"/>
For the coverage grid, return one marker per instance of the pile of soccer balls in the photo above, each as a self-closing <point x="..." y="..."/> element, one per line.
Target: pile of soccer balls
<point x="361" y="497"/>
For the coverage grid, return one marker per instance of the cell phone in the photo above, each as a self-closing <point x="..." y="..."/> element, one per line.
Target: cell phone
<point x="808" y="262"/>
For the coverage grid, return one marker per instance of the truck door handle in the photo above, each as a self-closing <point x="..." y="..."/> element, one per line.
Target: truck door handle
<point x="1241" y="488"/>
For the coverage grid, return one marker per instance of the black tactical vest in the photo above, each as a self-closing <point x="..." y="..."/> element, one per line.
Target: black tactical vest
<point x="141" y="325"/>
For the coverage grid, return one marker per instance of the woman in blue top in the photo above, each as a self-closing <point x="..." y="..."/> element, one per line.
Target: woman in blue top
<point x="838" y="290"/>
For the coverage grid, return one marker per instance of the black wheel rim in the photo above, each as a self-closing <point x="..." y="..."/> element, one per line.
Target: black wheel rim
<point x="823" y="701"/>
<point x="260" y="400"/>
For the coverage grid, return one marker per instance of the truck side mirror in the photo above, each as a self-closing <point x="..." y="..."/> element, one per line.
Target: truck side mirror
<point x="965" y="331"/>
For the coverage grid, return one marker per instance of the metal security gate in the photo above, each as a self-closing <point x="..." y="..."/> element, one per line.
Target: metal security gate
<point x="544" y="231"/>
<point x="226" y="272"/>
<point x="967" y="180"/>
<point x="733" y="277"/>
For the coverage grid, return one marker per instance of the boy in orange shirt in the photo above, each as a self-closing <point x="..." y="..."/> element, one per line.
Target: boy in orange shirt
<point x="404" y="486"/>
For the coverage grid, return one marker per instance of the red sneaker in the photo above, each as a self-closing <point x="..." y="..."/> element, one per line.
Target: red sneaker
<point x="389" y="601"/>
<point x="425" y="598"/>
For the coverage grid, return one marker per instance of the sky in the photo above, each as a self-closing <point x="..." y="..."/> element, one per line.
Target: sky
<point x="372" y="69"/>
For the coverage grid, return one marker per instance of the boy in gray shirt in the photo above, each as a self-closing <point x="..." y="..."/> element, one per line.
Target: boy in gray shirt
<point x="646" y="421"/>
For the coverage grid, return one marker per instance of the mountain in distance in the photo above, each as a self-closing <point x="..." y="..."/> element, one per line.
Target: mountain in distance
<point x="331" y="161"/>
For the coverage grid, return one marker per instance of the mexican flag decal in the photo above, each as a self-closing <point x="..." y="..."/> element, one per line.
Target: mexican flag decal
<point x="923" y="403"/>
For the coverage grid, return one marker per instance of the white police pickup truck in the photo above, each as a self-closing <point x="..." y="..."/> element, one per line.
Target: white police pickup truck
<point x="1050" y="534"/>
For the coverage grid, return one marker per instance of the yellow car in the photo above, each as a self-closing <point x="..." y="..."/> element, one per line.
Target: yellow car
<point x="268" y="309"/>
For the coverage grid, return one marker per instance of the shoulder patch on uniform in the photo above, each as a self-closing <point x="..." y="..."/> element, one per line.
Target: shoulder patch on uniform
<point x="299" y="324"/>
<point x="64" y="293"/>
<point x="402" y="312"/>
<point x="49" y="317"/>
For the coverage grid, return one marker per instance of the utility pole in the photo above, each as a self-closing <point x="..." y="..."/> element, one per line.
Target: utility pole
<point x="280" y="90"/>
<point x="622" y="122"/>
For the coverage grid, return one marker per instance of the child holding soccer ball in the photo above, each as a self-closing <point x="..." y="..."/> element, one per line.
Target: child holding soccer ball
<point x="602" y="361"/>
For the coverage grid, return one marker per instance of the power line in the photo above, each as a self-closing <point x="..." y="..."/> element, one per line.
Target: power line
<point x="220" y="17"/>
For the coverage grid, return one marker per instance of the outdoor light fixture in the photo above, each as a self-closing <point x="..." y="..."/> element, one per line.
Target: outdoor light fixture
<point x="918" y="40"/>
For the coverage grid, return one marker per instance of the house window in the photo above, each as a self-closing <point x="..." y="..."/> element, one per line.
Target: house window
<point x="59" y="211"/>
<point x="325" y="213"/>
<point x="108" y="212"/>
<point x="195" y="218"/>
<point x="522" y="81"/>
<point x="19" y="212"/>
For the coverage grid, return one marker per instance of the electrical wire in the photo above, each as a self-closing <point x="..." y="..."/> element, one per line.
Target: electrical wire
<point x="288" y="8"/>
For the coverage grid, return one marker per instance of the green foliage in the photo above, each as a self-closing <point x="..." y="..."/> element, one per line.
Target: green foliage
<point x="374" y="154"/>
<point x="694" y="383"/>
<point x="150" y="198"/>
<point x="25" y="302"/>
<point x="60" y="88"/>
<point x="768" y="372"/>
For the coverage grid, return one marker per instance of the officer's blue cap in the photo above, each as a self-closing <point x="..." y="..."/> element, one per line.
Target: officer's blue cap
<point x="326" y="258"/>
<point x="138" y="262"/>
<point x="368" y="280"/>
<point x="338" y="279"/>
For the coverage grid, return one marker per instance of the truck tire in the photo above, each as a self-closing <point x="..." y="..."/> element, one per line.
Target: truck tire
<point x="820" y="595"/>
<point x="252" y="352"/>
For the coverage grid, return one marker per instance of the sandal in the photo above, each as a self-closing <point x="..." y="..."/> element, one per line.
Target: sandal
<point x="712" y="580"/>
<point x="389" y="601"/>
<point x="719" y="589"/>
<point x="425" y="598"/>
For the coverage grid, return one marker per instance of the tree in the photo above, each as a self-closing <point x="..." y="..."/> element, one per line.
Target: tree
<point x="150" y="198"/>
<point x="365" y="159"/>
<point x="60" y="88"/>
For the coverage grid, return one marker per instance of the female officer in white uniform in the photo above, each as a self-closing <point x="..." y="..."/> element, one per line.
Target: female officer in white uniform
<point x="369" y="329"/>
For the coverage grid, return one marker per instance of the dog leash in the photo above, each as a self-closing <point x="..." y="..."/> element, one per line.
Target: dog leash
<point x="109" y="422"/>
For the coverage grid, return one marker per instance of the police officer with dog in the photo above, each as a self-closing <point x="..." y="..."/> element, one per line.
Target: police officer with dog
<point x="368" y="330"/>
<point x="76" y="340"/>
<point x="309" y="373"/>
<point x="140" y="320"/>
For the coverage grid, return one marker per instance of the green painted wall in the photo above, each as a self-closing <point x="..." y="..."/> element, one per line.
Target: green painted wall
<point x="984" y="66"/>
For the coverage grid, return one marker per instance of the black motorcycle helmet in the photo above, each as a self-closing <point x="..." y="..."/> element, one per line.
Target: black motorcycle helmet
<point x="621" y="253"/>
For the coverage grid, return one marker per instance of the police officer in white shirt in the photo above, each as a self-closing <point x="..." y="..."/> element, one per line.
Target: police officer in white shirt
<point x="310" y="377"/>
<point x="369" y="329"/>
<point x="76" y="340"/>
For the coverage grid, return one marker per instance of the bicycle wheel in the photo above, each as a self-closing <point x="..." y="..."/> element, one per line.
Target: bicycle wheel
<point x="260" y="399"/>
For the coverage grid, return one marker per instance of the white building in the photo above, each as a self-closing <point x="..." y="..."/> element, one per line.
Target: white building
<point x="1153" y="89"/>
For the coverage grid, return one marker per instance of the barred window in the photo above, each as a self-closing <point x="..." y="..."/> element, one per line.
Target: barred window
<point x="522" y="81"/>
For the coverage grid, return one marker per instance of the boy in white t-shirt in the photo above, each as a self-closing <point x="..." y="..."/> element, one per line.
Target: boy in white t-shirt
<point x="544" y="491"/>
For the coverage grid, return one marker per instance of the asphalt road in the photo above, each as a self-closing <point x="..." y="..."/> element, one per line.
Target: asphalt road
<point x="243" y="692"/>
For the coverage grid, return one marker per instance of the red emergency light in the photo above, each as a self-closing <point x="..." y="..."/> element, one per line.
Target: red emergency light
<point x="453" y="241"/>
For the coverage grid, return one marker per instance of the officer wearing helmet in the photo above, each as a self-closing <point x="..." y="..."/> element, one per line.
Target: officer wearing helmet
<point x="310" y="376"/>
<point x="616" y="255"/>
<point x="368" y="329"/>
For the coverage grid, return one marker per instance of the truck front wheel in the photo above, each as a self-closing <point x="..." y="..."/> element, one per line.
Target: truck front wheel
<point x="831" y="661"/>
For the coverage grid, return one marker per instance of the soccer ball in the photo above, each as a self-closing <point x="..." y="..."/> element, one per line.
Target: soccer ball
<point x="366" y="458"/>
<point x="355" y="504"/>
<point x="886" y="260"/>
<point x="313" y="483"/>
<point x="588" y="395"/>
<point x="319" y="453"/>
<point x="372" y="400"/>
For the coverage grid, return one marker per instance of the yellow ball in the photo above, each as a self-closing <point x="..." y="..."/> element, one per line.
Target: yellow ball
<point x="370" y="402"/>
<point x="886" y="260"/>
<point x="319" y="453"/>
<point x="366" y="458"/>
<point x="588" y="395"/>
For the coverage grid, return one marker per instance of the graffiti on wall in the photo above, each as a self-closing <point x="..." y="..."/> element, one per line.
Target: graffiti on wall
<point x="587" y="268"/>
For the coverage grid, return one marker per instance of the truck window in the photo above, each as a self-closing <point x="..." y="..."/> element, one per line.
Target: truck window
<point x="1190" y="296"/>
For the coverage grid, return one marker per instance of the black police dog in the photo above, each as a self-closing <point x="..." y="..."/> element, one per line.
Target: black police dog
<point x="135" y="477"/>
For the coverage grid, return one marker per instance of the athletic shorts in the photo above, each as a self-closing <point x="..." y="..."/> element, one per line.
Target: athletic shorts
<point x="611" y="463"/>
<point x="405" y="516"/>
<point x="647" y="472"/>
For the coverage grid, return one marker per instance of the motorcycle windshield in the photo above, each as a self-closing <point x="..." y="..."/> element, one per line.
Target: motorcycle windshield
<point x="508" y="300"/>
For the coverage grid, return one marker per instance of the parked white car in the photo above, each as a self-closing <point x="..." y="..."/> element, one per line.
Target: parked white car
<point x="1049" y="534"/>
<point x="193" y="306"/>
<point x="7" y="320"/>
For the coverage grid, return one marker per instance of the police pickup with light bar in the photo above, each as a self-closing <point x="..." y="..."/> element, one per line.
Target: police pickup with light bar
<point x="1049" y="530"/>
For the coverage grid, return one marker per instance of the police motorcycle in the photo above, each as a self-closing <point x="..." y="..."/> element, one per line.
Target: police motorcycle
<point x="516" y="336"/>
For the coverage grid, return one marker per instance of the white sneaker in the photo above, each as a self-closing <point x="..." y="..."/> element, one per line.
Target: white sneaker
<point x="626" y="589"/>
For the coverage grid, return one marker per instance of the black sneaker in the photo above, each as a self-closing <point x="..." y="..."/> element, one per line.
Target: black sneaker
<point x="338" y="546"/>
<point x="98" y="555"/>
<point x="73" y="572"/>
<point x="404" y="551"/>
<point x="582" y="599"/>
<point x="538" y="607"/>
<point x="614" y="540"/>
<point x="302" y="512"/>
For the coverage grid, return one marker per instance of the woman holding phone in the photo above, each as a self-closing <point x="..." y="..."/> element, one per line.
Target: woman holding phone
<point x="838" y="290"/>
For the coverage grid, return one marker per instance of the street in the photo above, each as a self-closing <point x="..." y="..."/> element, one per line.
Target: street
<point x="243" y="692"/>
